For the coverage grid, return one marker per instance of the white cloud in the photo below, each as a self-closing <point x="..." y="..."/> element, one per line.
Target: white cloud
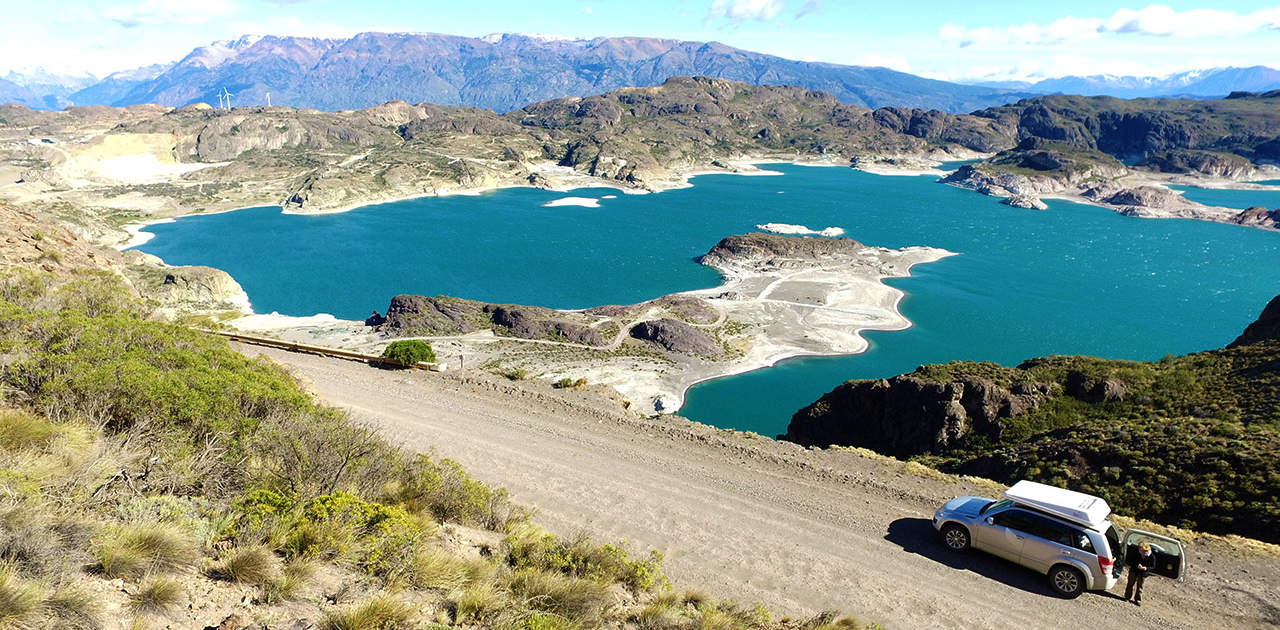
<point x="737" y="11"/>
<point x="168" y="12"/>
<point x="1056" y="32"/>
<point x="810" y="6"/>
<point x="1156" y="20"/>
<point x="1164" y="21"/>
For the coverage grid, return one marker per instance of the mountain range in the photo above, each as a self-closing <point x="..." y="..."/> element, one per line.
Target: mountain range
<point x="508" y="71"/>
<point x="1212" y="83"/>
<point x="500" y="72"/>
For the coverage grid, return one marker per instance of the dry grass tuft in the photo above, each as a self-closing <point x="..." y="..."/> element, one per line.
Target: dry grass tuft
<point x="248" y="565"/>
<point x="156" y="596"/>
<point x="142" y="549"/>
<point x="380" y="613"/>
<point x="74" y="609"/>
<point x="578" y="599"/>
<point x="19" y="600"/>
<point x="435" y="568"/>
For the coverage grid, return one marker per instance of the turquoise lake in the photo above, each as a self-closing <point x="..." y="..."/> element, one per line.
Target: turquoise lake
<point x="1230" y="198"/>
<point x="1073" y="279"/>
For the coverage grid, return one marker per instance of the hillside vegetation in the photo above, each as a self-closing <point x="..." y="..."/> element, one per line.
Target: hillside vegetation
<point x="148" y="471"/>
<point x="1192" y="440"/>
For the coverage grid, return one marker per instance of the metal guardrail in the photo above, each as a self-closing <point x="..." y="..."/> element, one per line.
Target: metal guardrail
<point x="324" y="351"/>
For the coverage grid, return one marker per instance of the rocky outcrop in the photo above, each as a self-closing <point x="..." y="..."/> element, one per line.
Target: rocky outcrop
<point x="1265" y="328"/>
<point x="1027" y="202"/>
<point x="420" y="316"/>
<point x="1212" y="163"/>
<point x="534" y="322"/>
<point x="909" y="415"/>
<point x="416" y="315"/>
<point x="1143" y="197"/>
<point x="776" y="249"/>
<point x="200" y="287"/>
<point x="1259" y="216"/>
<point x="677" y="336"/>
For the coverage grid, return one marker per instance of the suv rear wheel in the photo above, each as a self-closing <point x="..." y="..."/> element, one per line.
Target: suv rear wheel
<point x="955" y="537"/>
<point x="1066" y="581"/>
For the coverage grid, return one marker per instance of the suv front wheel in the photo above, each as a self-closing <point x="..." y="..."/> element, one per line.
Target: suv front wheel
<point x="955" y="537"/>
<point x="1066" y="581"/>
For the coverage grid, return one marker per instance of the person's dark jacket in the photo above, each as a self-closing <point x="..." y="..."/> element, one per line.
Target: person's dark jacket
<point x="1135" y="558"/>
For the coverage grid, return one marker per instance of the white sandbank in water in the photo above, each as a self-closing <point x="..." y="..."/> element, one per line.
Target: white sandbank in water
<point x="585" y="202"/>
<point x="792" y="229"/>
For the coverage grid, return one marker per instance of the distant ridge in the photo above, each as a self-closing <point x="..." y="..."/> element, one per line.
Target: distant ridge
<point x="1212" y="83"/>
<point x="500" y="72"/>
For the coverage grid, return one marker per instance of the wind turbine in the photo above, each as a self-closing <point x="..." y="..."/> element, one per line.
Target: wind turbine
<point x="268" y="99"/>
<point x="225" y="97"/>
<point x="220" y="101"/>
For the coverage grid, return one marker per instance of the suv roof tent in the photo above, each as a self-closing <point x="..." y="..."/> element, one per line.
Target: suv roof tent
<point x="1074" y="506"/>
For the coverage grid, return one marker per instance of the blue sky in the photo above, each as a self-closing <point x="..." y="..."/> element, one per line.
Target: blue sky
<point x="949" y="40"/>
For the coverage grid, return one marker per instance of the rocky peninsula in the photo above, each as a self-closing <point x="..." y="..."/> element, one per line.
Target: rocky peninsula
<point x="780" y="297"/>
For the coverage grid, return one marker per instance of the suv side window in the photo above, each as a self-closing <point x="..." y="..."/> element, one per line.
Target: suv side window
<point x="1060" y="533"/>
<point x="1014" y="519"/>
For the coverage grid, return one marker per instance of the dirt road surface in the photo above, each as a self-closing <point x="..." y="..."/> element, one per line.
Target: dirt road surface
<point x="749" y="518"/>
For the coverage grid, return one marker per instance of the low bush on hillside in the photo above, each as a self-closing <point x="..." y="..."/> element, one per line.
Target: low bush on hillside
<point x="410" y="352"/>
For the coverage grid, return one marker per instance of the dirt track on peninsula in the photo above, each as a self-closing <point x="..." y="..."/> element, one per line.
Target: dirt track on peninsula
<point x="800" y="531"/>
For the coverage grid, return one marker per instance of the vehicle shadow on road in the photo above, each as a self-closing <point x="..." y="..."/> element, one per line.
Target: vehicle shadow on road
<point x="917" y="536"/>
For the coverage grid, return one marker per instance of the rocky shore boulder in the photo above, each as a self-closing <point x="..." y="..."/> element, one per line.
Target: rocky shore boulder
<point x="677" y="336"/>
<point x="909" y="415"/>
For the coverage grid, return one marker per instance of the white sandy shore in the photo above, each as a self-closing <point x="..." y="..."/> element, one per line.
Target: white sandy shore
<point x="137" y="236"/>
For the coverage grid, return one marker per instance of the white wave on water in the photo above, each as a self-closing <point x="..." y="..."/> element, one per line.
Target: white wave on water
<point x="585" y="202"/>
<point x="788" y="228"/>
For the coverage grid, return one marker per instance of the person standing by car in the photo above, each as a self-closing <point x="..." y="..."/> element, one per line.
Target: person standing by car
<point x="1141" y="560"/>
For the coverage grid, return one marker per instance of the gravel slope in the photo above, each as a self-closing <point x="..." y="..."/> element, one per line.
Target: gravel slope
<point x="747" y="517"/>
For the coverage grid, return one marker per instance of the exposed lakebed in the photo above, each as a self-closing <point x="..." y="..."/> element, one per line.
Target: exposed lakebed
<point x="1071" y="280"/>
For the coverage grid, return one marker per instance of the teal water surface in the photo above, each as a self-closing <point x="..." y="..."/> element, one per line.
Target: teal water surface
<point x="1073" y="279"/>
<point x="1231" y="197"/>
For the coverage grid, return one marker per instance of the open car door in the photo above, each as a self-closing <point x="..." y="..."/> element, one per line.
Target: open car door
<point x="1171" y="560"/>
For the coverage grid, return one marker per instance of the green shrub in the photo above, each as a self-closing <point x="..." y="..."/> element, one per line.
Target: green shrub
<point x="438" y="569"/>
<point x="531" y="547"/>
<point x="444" y="490"/>
<point x="410" y="352"/>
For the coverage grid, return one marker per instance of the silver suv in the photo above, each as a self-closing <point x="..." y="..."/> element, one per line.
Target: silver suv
<point x="1077" y="554"/>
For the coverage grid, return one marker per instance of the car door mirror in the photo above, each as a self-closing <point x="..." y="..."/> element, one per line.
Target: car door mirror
<point x="991" y="521"/>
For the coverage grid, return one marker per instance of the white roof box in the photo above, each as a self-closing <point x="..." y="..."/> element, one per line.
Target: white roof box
<point x="1073" y="506"/>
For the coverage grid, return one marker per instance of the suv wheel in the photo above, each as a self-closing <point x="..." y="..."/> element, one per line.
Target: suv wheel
<point x="955" y="537"/>
<point x="1066" y="581"/>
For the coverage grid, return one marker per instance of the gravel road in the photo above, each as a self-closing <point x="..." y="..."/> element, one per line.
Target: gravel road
<point x="753" y="519"/>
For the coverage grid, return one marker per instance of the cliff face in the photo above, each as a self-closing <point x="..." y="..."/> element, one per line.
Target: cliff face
<point x="908" y="415"/>
<point x="1266" y="328"/>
